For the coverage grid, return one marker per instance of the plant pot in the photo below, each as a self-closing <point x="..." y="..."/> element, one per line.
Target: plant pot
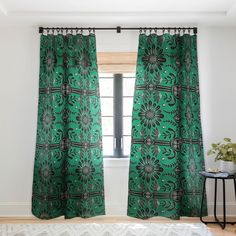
<point x="228" y="166"/>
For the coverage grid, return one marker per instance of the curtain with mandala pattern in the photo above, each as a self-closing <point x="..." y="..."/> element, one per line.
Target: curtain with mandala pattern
<point x="68" y="169"/>
<point x="166" y="149"/>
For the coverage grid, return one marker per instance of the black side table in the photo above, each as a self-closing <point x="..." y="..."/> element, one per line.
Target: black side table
<point x="216" y="177"/>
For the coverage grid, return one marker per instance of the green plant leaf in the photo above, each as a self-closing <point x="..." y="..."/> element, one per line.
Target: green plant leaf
<point x="209" y="152"/>
<point x="224" y="151"/>
<point x="234" y="147"/>
<point x="227" y="139"/>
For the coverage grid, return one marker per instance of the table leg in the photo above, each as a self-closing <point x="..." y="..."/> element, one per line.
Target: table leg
<point x="215" y="205"/>
<point x="235" y="188"/>
<point x="215" y="200"/>
<point x="203" y="195"/>
<point x="224" y="210"/>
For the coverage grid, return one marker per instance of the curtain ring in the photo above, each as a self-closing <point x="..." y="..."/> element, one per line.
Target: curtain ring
<point x="145" y="30"/>
<point x="155" y="30"/>
<point x="140" y="30"/>
<point x="89" y="30"/>
<point x="81" y="30"/>
<point x="150" y="29"/>
<point x="93" y="31"/>
<point x="163" y="30"/>
<point x="168" y="30"/>
<point x="189" y="30"/>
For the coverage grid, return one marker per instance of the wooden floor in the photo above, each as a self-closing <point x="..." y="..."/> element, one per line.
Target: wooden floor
<point x="215" y="229"/>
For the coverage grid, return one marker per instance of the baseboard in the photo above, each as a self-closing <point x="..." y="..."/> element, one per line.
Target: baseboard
<point x="230" y="208"/>
<point x="23" y="209"/>
<point x="116" y="209"/>
<point x="15" y="209"/>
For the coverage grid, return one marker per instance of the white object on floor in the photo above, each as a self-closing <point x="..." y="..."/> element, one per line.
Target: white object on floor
<point x="107" y="229"/>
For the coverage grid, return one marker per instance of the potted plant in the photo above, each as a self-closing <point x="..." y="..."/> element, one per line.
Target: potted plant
<point x="226" y="153"/>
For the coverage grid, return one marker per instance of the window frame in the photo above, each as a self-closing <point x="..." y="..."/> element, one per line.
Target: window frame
<point x="118" y="133"/>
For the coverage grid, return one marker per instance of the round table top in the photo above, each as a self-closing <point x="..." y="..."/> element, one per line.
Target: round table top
<point x="218" y="175"/>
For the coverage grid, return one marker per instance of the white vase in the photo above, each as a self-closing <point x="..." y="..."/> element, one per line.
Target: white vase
<point x="228" y="166"/>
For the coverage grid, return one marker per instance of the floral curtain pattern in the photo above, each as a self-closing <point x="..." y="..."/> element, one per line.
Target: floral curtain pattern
<point x="166" y="150"/>
<point x="68" y="170"/>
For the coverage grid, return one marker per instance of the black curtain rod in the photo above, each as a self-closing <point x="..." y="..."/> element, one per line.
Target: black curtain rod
<point x="118" y="28"/>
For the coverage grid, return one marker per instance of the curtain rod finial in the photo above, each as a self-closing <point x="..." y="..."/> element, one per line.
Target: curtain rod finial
<point x="118" y="29"/>
<point x="40" y="30"/>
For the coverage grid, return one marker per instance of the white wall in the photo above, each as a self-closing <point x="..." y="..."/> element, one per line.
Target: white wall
<point x="217" y="63"/>
<point x="19" y="60"/>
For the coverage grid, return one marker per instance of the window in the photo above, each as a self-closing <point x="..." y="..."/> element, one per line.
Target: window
<point x="116" y="91"/>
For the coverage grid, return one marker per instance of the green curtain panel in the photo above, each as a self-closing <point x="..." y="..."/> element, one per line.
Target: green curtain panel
<point x="166" y="149"/>
<point x="68" y="169"/>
